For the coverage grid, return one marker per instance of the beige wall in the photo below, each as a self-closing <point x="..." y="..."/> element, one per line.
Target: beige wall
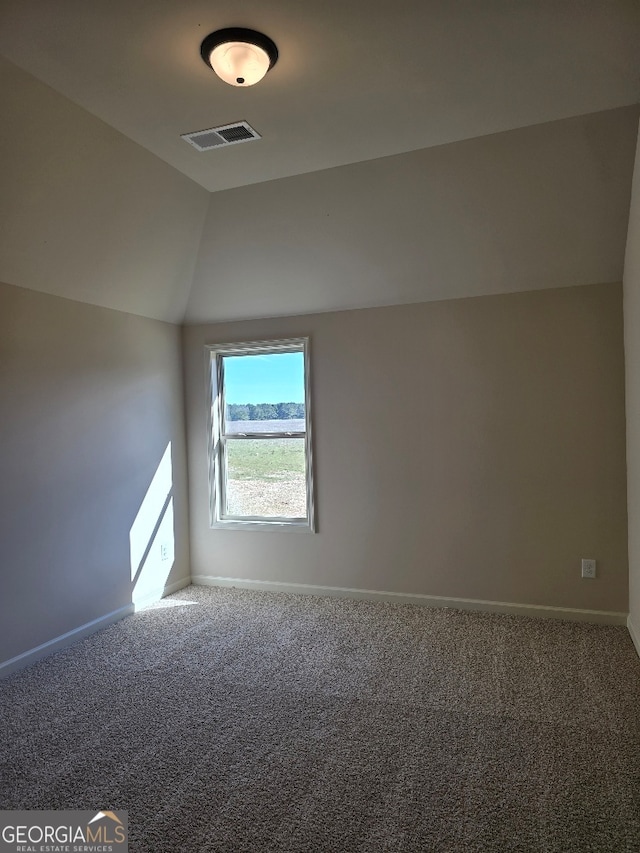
<point x="90" y="399"/>
<point x="538" y="207"/>
<point x="632" y="361"/>
<point x="88" y="214"/>
<point x="470" y="448"/>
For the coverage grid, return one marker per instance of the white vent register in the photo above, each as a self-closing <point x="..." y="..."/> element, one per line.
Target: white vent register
<point x="218" y="137"/>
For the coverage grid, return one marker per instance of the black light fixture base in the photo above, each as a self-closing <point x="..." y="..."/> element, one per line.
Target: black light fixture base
<point x="238" y="34"/>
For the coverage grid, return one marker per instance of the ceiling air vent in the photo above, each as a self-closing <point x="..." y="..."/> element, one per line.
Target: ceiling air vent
<point x="218" y="137"/>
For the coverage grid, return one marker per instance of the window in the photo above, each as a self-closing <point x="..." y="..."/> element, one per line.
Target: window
<point x="260" y="467"/>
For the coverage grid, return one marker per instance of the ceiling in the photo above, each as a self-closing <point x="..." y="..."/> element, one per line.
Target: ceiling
<point x="355" y="80"/>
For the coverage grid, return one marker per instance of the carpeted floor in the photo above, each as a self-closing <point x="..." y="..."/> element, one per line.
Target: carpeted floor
<point x="225" y="721"/>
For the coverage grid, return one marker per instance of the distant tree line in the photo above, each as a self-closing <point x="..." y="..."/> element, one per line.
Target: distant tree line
<point x="264" y="411"/>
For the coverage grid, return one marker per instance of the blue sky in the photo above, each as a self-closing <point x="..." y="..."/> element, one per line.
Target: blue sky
<point x="274" y="378"/>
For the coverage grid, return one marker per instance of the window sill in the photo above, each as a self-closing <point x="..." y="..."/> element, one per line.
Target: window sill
<point x="282" y="526"/>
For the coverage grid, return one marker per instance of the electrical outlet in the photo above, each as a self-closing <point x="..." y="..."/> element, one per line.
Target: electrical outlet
<point x="588" y="568"/>
<point x="164" y="551"/>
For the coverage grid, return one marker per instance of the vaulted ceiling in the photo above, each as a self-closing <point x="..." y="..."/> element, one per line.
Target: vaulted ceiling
<point x="355" y="82"/>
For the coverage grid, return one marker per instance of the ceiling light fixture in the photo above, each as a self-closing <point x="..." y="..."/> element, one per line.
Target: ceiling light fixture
<point x="240" y="57"/>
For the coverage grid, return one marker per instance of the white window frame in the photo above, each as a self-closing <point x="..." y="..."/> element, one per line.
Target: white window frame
<point x="217" y="438"/>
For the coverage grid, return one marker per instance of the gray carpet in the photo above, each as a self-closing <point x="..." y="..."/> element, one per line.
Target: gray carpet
<point x="235" y="721"/>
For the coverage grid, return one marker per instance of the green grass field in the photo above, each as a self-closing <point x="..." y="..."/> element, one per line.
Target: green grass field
<point x="265" y="459"/>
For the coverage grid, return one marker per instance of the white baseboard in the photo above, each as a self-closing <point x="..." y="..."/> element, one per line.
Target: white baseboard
<point x="177" y="585"/>
<point x="532" y="610"/>
<point x="63" y="641"/>
<point x="536" y="611"/>
<point x="161" y="592"/>
<point x="635" y="634"/>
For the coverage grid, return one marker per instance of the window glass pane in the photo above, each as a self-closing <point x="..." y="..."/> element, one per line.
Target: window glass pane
<point x="266" y="477"/>
<point x="264" y="392"/>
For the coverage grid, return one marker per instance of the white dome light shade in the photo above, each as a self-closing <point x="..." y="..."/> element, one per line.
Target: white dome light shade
<point x="240" y="57"/>
<point x="239" y="63"/>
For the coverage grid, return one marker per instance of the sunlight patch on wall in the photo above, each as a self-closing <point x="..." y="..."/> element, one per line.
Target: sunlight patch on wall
<point x="152" y="538"/>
